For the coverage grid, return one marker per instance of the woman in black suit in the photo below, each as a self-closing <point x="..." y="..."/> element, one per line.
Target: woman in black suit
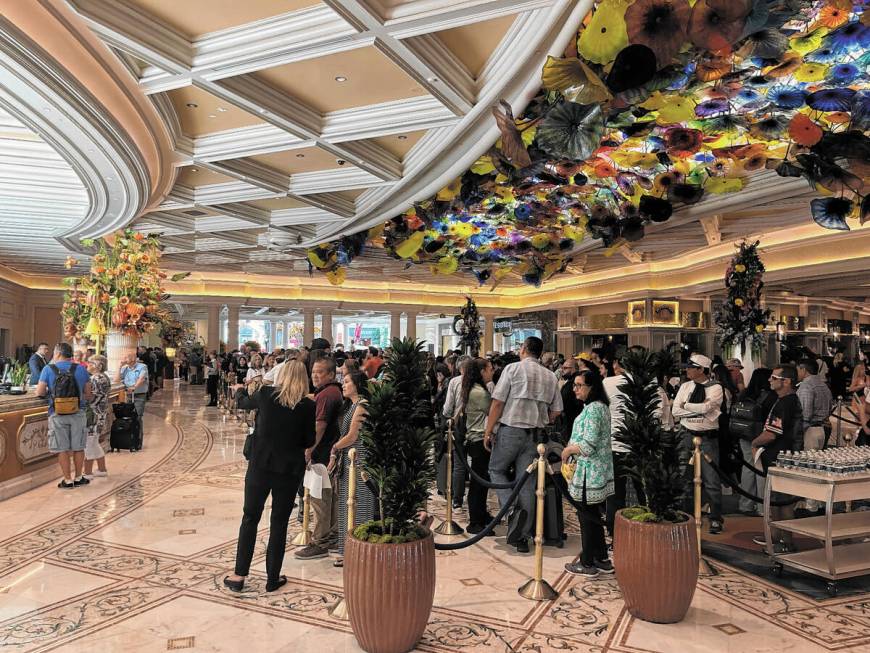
<point x="285" y="429"/>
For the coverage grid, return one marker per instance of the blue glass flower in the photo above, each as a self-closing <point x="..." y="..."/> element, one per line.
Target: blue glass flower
<point x="831" y="212"/>
<point x="850" y="36"/>
<point x="747" y="95"/>
<point x="831" y="99"/>
<point x="825" y="54"/>
<point x="711" y="107"/>
<point x="522" y="212"/>
<point x="861" y="111"/>
<point x="787" y="97"/>
<point x="843" y="73"/>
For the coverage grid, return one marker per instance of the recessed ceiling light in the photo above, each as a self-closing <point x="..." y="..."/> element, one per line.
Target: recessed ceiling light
<point x="211" y="115"/>
<point x="192" y="105"/>
<point x="402" y="137"/>
<point x="434" y="80"/>
<point x="341" y="78"/>
<point x="221" y="110"/>
<point x="300" y="156"/>
<point x="194" y="169"/>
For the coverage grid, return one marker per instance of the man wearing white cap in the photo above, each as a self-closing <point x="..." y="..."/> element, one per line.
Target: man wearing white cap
<point x="697" y="407"/>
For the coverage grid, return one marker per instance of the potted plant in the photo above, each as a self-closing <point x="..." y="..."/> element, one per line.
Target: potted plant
<point x="655" y="547"/>
<point x="389" y="563"/>
<point x="17" y="377"/>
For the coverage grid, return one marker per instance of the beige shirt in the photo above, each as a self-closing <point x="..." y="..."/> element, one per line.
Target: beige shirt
<point x="529" y="392"/>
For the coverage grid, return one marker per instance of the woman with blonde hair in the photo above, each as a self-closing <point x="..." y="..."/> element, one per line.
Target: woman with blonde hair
<point x="98" y="414"/>
<point x="276" y="464"/>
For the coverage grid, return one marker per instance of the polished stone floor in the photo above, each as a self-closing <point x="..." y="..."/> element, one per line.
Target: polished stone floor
<point x="134" y="563"/>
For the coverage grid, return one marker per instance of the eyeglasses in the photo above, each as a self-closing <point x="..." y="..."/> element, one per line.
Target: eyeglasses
<point x="580" y="385"/>
<point x="778" y="378"/>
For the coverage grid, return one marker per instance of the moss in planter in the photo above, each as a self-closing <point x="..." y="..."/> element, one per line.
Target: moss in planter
<point x="377" y="532"/>
<point x="643" y="514"/>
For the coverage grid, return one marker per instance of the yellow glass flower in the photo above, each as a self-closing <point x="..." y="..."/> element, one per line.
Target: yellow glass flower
<point x="804" y="43"/>
<point x="722" y="185"/>
<point x="410" y="245"/>
<point x="811" y="72"/>
<point x="605" y="35"/>
<point x="445" y="265"/>
<point x="738" y="302"/>
<point x="677" y="108"/>
<point x="740" y="268"/>
<point x="759" y="328"/>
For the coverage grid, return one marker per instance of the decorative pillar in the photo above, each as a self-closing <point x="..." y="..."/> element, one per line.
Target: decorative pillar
<point x="273" y="335"/>
<point x="232" y="327"/>
<point x="213" y="342"/>
<point x="307" y="327"/>
<point x="395" y="324"/>
<point x="411" y="325"/>
<point x="326" y="325"/>
<point x="488" y="334"/>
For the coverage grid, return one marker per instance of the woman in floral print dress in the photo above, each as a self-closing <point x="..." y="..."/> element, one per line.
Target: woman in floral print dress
<point x="593" y="478"/>
<point x="101" y="385"/>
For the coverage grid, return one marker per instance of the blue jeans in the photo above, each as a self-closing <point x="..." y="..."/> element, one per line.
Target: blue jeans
<point x="514" y="447"/>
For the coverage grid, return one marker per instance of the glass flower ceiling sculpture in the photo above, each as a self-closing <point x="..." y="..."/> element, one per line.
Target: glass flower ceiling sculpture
<point x="657" y="104"/>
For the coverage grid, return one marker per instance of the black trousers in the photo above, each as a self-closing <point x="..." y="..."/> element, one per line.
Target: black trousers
<point x="477" y="512"/>
<point x="259" y="483"/>
<point x="212" y="388"/>
<point x="591" y="534"/>
<point x="616" y="501"/>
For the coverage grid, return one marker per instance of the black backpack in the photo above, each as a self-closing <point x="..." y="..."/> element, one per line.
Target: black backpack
<point x="65" y="392"/>
<point x="747" y="417"/>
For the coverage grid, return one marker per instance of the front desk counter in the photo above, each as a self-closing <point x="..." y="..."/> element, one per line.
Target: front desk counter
<point x="25" y="461"/>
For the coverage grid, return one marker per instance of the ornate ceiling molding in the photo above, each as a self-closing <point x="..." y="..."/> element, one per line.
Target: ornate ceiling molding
<point x="57" y="78"/>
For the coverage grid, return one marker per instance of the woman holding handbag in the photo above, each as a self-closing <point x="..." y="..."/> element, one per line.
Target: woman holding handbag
<point x="284" y="430"/>
<point x="473" y="408"/>
<point x="98" y="413"/>
<point x="593" y="478"/>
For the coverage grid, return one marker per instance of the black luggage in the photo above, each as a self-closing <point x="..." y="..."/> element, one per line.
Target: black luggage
<point x="554" y="517"/>
<point x="124" y="409"/>
<point x="126" y="433"/>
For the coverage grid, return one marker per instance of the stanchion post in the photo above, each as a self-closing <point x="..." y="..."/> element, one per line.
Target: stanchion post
<point x="339" y="610"/>
<point x="448" y="526"/>
<point x="304" y="538"/>
<point x="704" y="567"/>
<point x="536" y="588"/>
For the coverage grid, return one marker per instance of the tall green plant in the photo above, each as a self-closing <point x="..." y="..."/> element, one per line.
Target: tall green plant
<point x="398" y="437"/>
<point x="656" y="458"/>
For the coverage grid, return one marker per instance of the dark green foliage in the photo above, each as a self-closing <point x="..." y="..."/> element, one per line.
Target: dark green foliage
<point x="398" y="437"/>
<point x="656" y="458"/>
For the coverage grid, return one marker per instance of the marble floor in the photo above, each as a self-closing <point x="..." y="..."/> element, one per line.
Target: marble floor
<point x="134" y="563"/>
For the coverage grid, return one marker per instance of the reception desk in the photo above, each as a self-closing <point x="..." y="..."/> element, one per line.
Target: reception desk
<point x="25" y="461"/>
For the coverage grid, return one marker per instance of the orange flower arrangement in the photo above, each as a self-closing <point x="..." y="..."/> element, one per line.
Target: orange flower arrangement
<point x="123" y="290"/>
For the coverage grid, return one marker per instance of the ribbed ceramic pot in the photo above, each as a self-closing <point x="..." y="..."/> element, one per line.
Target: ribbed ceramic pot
<point x="389" y="589"/>
<point x="656" y="567"/>
<point x="118" y="345"/>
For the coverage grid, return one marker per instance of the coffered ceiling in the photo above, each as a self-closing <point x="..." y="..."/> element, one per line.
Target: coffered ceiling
<point x="298" y="121"/>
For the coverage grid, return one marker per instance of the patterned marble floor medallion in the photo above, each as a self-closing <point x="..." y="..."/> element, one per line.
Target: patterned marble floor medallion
<point x="139" y="567"/>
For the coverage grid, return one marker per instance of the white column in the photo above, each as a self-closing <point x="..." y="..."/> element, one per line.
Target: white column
<point x="273" y="335"/>
<point x="213" y="343"/>
<point x="411" y="324"/>
<point x="488" y="334"/>
<point x="395" y="324"/>
<point x="308" y="327"/>
<point x="232" y="327"/>
<point x="326" y="325"/>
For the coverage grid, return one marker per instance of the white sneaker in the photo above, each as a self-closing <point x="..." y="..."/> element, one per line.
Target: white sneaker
<point x="100" y="474"/>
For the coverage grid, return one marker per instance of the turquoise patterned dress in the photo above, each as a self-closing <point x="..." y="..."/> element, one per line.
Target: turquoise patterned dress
<point x="593" y="479"/>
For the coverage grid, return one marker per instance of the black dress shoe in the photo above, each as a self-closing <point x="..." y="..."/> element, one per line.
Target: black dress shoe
<point x="516" y="525"/>
<point x="234" y="585"/>
<point x="522" y="546"/>
<point x="272" y="585"/>
<point x="474" y="529"/>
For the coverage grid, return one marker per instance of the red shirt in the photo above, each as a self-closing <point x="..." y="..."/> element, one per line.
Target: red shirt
<point x="372" y="365"/>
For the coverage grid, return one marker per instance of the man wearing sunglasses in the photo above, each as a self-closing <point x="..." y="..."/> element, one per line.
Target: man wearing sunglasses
<point x="783" y="430"/>
<point x="697" y="406"/>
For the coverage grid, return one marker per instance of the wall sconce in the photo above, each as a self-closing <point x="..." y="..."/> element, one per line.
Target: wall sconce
<point x="780" y="331"/>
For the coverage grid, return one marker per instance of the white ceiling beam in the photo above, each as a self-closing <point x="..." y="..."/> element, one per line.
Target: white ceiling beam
<point x="415" y="18"/>
<point x="251" y="172"/>
<point x="712" y="229"/>
<point x="331" y="203"/>
<point x="244" y="212"/>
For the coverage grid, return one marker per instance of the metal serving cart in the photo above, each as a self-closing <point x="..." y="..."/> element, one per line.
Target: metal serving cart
<point x="846" y="536"/>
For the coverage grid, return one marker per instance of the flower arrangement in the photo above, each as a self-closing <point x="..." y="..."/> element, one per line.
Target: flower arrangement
<point x="123" y="290"/>
<point x="742" y="318"/>
<point x="174" y="332"/>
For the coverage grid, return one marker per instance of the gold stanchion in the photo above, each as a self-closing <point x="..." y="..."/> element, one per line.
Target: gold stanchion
<point x="704" y="567"/>
<point x="537" y="589"/>
<point x="339" y="611"/>
<point x="304" y="538"/>
<point x="448" y="526"/>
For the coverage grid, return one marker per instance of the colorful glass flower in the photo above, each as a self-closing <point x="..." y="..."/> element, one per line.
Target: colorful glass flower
<point x="831" y="212"/>
<point x="658" y="24"/>
<point x="787" y="97"/>
<point x="804" y="131"/>
<point x="605" y="35"/>
<point x="710" y="29"/>
<point x="831" y="99"/>
<point x="712" y="107"/>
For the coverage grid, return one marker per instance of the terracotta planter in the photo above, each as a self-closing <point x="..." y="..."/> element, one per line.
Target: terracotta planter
<point x="656" y="568"/>
<point x="389" y="589"/>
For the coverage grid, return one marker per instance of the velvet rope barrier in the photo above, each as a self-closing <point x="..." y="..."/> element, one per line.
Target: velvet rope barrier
<point x="739" y="490"/>
<point x="460" y="453"/>
<point x="518" y="485"/>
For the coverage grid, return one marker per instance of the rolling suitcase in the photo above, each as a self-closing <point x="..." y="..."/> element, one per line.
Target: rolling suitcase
<point x="554" y="517"/>
<point x="126" y="430"/>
